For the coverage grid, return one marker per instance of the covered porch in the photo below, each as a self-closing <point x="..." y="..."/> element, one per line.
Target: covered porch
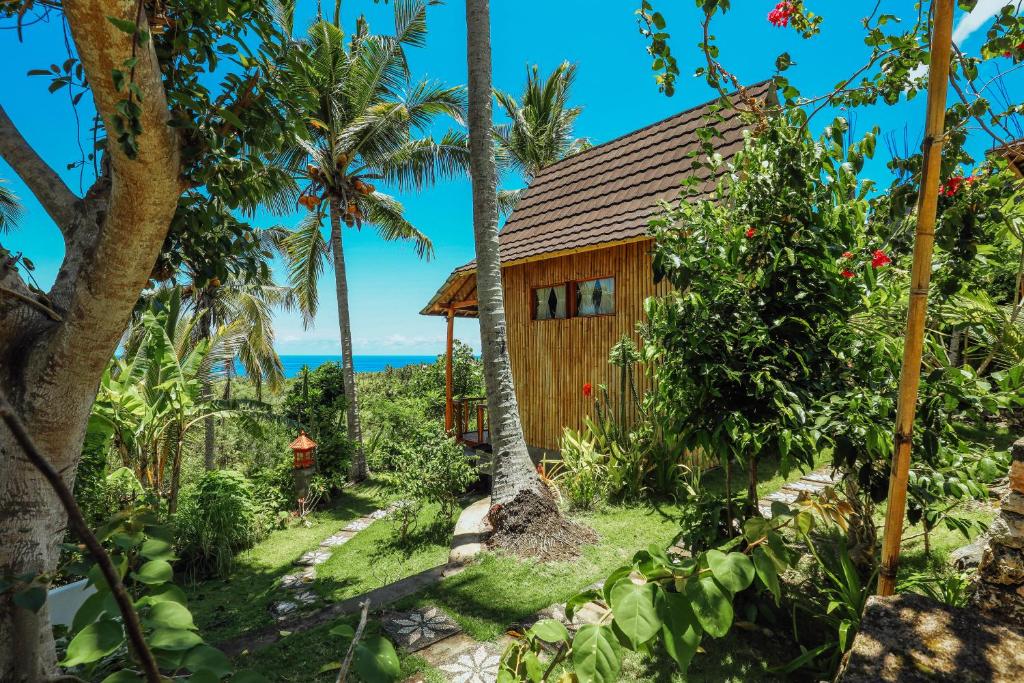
<point x="465" y="417"/>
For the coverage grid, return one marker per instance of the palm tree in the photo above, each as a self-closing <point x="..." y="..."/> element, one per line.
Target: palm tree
<point x="365" y="123"/>
<point x="540" y="127"/>
<point x="243" y="309"/>
<point x="513" y="471"/>
<point x="10" y="209"/>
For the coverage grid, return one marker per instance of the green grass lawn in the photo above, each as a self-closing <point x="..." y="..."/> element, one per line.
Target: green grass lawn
<point x="498" y="590"/>
<point x="376" y="556"/>
<point x="224" y="608"/>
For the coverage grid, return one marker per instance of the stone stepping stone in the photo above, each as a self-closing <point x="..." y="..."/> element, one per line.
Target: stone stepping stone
<point x="298" y="579"/>
<point x="478" y="663"/>
<point x="822" y="477"/>
<point x="313" y="558"/>
<point x="803" y="486"/>
<point x="340" y="538"/>
<point x="305" y="597"/>
<point x="419" y="628"/>
<point x="379" y="514"/>
<point x="283" y="608"/>
<point x="783" y="496"/>
<point x="358" y="524"/>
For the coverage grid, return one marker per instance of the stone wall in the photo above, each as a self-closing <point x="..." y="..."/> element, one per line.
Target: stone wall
<point x="998" y="587"/>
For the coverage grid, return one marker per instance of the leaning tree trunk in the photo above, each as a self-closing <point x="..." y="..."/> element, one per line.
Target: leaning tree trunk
<point x="513" y="469"/>
<point x="358" y="471"/>
<point x="54" y="347"/>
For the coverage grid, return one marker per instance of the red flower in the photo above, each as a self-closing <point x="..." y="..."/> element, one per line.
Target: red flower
<point x="587" y="390"/>
<point x="953" y="185"/>
<point x="847" y="273"/>
<point x="750" y="233"/>
<point x="781" y="14"/>
<point x="1009" y="53"/>
<point x="847" y="254"/>
<point x="879" y="259"/>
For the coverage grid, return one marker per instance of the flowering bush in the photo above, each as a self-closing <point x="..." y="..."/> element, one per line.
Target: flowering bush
<point x="781" y="14"/>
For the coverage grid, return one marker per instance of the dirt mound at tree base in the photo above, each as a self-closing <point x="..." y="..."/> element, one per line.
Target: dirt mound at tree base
<point x="532" y="526"/>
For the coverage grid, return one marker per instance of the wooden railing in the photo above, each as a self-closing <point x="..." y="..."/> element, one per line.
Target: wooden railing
<point x="470" y="417"/>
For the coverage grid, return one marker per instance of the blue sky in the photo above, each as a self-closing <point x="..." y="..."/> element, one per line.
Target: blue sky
<point x="388" y="284"/>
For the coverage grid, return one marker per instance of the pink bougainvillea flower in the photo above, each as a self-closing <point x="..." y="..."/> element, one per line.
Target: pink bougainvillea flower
<point x="879" y="259"/>
<point x="847" y="254"/>
<point x="587" y="390"/>
<point x="847" y="273"/>
<point x="750" y="233"/>
<point x="781" y="14"/>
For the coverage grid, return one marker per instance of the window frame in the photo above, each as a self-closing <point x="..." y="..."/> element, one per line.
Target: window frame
<point x="570" y="299"/>
<point x="575" y="284"/>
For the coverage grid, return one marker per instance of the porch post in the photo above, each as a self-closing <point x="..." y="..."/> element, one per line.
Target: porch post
<point x="448" y="404"/>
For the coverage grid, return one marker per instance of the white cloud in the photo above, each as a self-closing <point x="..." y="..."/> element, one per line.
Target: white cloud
<point x="974" y="20"/>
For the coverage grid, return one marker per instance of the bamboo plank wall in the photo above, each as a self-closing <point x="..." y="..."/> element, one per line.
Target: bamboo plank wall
<point x="553" y="359"/>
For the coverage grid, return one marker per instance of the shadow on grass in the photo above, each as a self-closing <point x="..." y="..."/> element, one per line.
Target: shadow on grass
<point x="418" y="537"/>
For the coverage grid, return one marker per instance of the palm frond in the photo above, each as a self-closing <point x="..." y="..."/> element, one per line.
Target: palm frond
<point x="388" y="215"/>
<point x="307" y="251"/>
<point x="10" y="209"/>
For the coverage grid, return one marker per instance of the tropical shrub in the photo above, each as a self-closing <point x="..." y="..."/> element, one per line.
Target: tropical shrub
<point x="662" y="599"/>
<point x="756" y="328"/>
<point x="218" y="517"/>
<point x="580" y="474"/>
<point x="436" y="470"/>
<point x="317" y="402"/>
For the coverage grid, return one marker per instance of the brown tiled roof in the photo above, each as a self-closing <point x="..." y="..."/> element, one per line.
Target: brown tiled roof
<point x="609" y="192"/>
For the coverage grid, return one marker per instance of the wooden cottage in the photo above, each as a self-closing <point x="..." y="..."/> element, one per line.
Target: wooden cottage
<point x="576" y="269"/>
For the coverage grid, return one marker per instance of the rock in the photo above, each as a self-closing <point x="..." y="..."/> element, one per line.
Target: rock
<point x="969" y="556"/>
<point x="1002" y="565"/>
<point x="910" y="638"/>
<point x="279" y="609"/>
<point x="1017" y="450"/>
<point x="1014" y="502"/>
<point x="1017" y="476"/>
<point x="1008" y="530"/>
<point x="1004" y="603"/>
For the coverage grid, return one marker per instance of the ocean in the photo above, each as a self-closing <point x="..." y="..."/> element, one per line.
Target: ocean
<point x="363" y="363"/>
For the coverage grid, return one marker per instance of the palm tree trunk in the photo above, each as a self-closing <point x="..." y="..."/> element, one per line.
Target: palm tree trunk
<point x="358" y="471"/>
<point x="513" y="469"/>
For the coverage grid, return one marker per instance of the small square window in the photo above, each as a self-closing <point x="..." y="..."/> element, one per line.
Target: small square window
<point x="595" y="297"/>
<point x="549" y="303"/>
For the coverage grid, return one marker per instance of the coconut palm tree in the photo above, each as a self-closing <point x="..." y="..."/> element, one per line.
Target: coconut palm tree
<point x="540" y="127"/>
<point x="10" y="209"/>
<point x="366" y="123"/>
<point x="513" y="471"/>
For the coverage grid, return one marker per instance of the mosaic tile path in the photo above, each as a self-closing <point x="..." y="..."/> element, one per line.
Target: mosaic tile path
<point x="296" y="587"/>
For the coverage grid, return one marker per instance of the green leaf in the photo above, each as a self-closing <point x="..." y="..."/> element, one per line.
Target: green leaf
<point x="549" y="630"/>
<point x="90" y="610"/>
<point x="755" y="528"/>
<point x="735" y="571"/>
<point x="343" y="630"/>
<point x="596" y="654"/>
<point x="170" y="615"/>
<point x="124" y="676"/>
<point x="206" y="658"/>
<point x="376" y="661"/>
<point x="94" y="642"/>
<point x="32" y="598"/>
<point x="330" y="666"/>
<point x="633" y="607"/>
<point x="167" y="592"/>
<point x="767" y="572"/>
<point x="174" y="639"/>
<point x="578" y="600"/>
<point x="157" y="549"/>
<point x="711" y="606"/>
<point x="125" y="25"/>
<point x="154" y="571"/>
<point x="680" y="627"/>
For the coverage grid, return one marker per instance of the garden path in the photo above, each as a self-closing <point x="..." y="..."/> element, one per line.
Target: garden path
<point x="295" y="587"/>
<point x="810" y="483"/>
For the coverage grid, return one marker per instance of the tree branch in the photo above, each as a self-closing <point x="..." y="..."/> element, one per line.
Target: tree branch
<point x="58" y="201"/>
<point x="76" y="521"/>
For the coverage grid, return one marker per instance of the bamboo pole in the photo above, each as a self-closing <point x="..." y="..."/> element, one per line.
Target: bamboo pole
<point x="910" y="373"/>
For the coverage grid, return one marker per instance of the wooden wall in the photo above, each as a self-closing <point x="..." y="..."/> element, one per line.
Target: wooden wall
<point x="553" y="359"/>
